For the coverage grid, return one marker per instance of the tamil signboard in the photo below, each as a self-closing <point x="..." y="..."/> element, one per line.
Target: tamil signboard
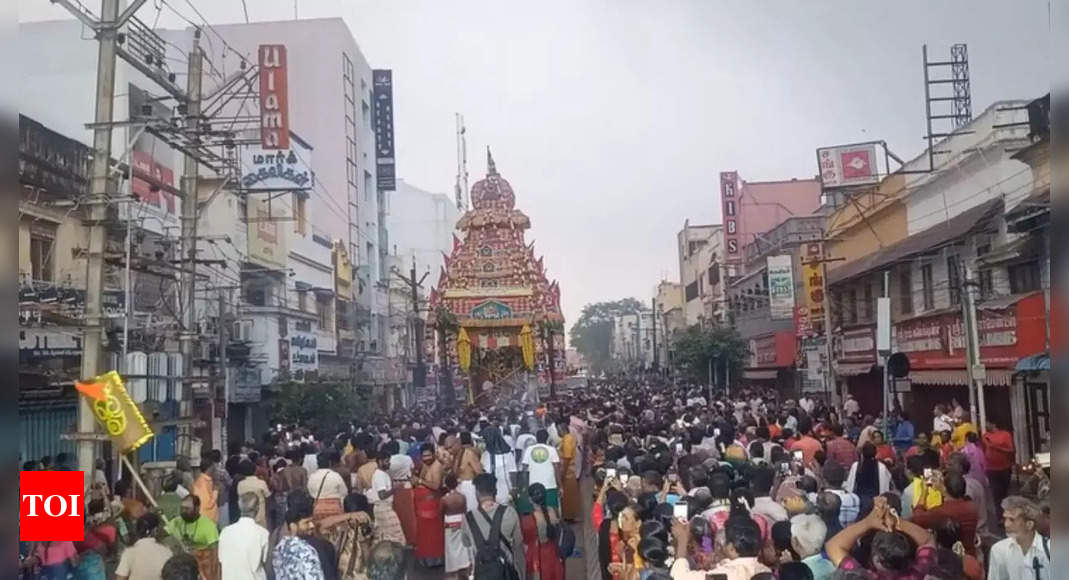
<point x="780" y="287"/>
<point x="385" y="167"/>
<point x="277" y="169"/>
<point x="729" y="207"/>
<point x="848" y="165"/>
<point x="813" y="286"/>
<point x="274" y="97"/>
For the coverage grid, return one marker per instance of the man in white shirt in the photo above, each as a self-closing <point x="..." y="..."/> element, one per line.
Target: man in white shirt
<point x="1025" y="553"/>
<point x="543" y="463"/>
<point x="325" y="483"/>
<point x="243" y="545"/>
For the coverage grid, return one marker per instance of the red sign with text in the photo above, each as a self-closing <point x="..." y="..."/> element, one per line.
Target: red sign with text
<point x="51" y="506"/>
<point x="274" y="97"/>
<point x="731" y="213"/>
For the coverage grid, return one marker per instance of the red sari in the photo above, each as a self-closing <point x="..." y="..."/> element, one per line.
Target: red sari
<point x="543" y="561"/>
<point x="430" y="537"/>
<point x="405" y="507"/>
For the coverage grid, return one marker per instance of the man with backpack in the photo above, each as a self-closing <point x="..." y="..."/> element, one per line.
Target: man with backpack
<point x="493" y="532"/>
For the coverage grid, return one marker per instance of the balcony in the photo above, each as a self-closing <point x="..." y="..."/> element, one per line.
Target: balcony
<point x="792" y="232"/>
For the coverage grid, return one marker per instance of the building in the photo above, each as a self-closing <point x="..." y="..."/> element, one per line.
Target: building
<point x="422" y="227"/>
<point x="920" y="238"/>
<point x="700" y="251"/>
<point x="671" y="320"/>
<point x="763" y="301"/>
<point x="633" y="338"/>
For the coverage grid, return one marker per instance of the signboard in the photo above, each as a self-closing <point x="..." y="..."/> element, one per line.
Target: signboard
<point x="813" y="286"/>
<point x="37" y="344"/>
<point x="277" y="169"/>
<point x="267" y="240"/>
<point x="303" y="350"/>
<point x="1006" y="335"/>
<point x="245" y="385"/>
<point x="274" y="97"/>
<point x="848" y="165"/>
<point x="858" y="346"/>
<point x="152" y="183"/>
<point x="491" y="310"/>
<point x="729" y="206"/>
<point x="385" y="168"/>
<point x="780" y="286"/>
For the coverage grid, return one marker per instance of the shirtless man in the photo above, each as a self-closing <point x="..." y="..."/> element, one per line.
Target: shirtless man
<point x="467" y="467"/>
<point x="454" y="506"/>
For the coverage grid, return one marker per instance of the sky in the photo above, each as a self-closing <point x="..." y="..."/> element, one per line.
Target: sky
<point x="613" y="118"/>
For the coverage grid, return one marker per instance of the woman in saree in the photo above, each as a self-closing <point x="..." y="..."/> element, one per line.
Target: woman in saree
<point x="351" y="534"/>
<point x="427" y="495"/>
<point x="569" y="463"/>
<point x="540" y="538"/>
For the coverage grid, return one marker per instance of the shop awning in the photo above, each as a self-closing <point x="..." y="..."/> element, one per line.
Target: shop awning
<point x="853" y="369"/>
<point x="1034" y="364"/>
<point x="760" y="375"/>
<point x="945" y="378"/>
<point x="923" y="242"/>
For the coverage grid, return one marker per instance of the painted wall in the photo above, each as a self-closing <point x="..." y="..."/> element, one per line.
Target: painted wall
<point x="764" y="205"/>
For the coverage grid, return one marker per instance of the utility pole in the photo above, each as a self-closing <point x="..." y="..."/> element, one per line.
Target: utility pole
<point x="829" y="371"/>
<point x="221" y="325"/>
<point x="100" y="190"/>
<point x="187" y="279"/>
<point x="977" y="372"/>
<point x="419" y="374"/>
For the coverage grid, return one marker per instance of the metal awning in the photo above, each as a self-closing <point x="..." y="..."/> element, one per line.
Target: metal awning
<point x="1033" y="364"/>
<point x="853" y="369"/>
<point x="760" y="375"/>
<point x="955" y="377"/>
<point x="929" y="240"/>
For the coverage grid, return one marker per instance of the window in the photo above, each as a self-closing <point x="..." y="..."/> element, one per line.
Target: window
<point x="987" y="276"/>
<point x="851" y="306"/>
<point x="928" y="288"/>
<point x="954" y="279"/>
<point x="323" y="311"/>
<point x="42" y="253"/>
<point x="488" y="267"/>
<point x="1024" y="277"/>
<point x="367" y="186"/>
<point x="714" y="275"/>
<point x="866" y="305"/>
<point x="256" y="295"/>
<point x="365" y="112"/>
<point x="905" y="291"/>
<point x="302" y="301"/>
<point x="691" y="291"/>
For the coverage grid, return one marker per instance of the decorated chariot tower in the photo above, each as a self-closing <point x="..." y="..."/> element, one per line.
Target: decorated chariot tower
<point x="495" y="323"/>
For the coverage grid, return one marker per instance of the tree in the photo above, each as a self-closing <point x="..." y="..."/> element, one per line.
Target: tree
<point x="592" y="333"/>
<point x="320" y="404"/>
<point x="696" y="347"/>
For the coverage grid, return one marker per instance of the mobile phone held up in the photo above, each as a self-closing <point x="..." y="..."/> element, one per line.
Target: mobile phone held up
<point x="610" y="473"/>
<point x="797" y="456"/>
<point x="679" y="510"/>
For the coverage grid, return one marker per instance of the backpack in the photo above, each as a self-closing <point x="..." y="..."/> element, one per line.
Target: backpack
<point x="491" y="563"/>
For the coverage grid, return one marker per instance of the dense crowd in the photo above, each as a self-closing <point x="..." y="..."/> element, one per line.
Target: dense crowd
<point x="738" y="487"/>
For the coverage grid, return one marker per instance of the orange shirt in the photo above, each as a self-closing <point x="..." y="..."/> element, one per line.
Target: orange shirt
<point x="809" y="447"/>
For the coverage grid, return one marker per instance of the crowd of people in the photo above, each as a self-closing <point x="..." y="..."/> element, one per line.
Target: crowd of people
<point x="683" y="486"/>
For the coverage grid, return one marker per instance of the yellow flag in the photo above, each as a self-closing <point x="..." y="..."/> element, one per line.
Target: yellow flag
<point x="464" y="350"/>
<point x="116" y="411"/>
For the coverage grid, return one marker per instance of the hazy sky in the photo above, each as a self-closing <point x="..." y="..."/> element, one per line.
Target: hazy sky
<point x="613" y="118"/>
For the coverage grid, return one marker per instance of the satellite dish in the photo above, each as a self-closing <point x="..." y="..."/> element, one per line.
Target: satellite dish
<point x="898" y="365"/>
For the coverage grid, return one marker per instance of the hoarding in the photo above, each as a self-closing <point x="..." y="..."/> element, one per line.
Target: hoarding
<point x="780" y="286"/>
<point x="267" y="241"/>
<point x="848" y="165"/>
<point x="274" y="97"/>
<point x="277" y="169"/>
<point x="729" y="206"/>
<point x="813" y="285"/>
<point x="385" y="168"/>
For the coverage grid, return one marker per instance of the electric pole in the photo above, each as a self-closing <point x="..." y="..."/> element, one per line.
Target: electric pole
<point x="419" y="374"/>
<point x="187" y="279"/>
<point x="656" y="353"/>
<point x="977" y="372"/>
<point x="100" y="190"/>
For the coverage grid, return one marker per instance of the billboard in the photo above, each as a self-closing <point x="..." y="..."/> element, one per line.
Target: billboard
<point x="729" y="206"/>
<point x="274" y="97"/>
<point x="848" y="165"/>
<point x="780" y="287"/>
<point x="813" y="286"/>
<point x="385" y="168"/>
<point x="277" y="169"/>
<point x="267" y="240"/>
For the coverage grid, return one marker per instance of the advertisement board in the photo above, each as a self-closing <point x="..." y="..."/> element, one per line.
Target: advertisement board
<point x="385" y="167"/>
<point x="780" y="287"/>
<point x="848" y="165"/>
<point x="267" y="237"/>
<point x="729" y="207"/>
<point x="277" y="169"/>
<point x="274" y="97"/>
<point x="813" y="286"/>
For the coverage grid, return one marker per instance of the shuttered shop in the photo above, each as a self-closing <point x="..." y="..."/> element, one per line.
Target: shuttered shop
<point x="40" y="429"/>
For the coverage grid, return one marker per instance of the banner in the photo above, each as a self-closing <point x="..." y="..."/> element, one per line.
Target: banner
<point x="116" y="411"/>
<point x="780" y="287"/>
<point x="729" y="208"/>
<point x="385" y="168"/>
<point x="848" y="165"/>
<point x="813" y="284"/>
<point x="274" y="97"/>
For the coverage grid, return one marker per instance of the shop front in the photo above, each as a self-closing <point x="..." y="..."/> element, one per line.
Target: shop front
<point x="771" y="364"/>
<point x="1009" y="330"/>
<point x="856" y="367"/>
